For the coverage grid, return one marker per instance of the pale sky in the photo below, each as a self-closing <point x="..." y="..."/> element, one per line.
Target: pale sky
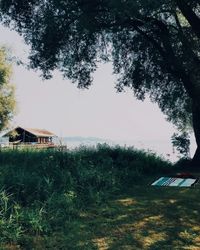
<point x="57" y="105"/>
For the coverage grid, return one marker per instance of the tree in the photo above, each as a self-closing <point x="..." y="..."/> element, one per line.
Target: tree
<point x="154" y="46"/>
<point x="182" y="143"/>
<point x="7" y="100"/>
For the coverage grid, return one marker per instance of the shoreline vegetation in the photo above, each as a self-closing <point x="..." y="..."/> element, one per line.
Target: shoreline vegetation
<point x="161" y="147"/>
<point x="93" y="198"/>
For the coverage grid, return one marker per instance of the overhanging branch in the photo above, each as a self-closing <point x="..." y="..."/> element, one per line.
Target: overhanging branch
<point x="190" y="15"/>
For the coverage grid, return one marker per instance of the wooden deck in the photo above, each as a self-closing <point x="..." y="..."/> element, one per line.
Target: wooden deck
<point x="32" y="145"/>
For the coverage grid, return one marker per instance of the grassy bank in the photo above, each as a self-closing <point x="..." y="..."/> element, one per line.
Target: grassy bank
<point x="91" y="198"/>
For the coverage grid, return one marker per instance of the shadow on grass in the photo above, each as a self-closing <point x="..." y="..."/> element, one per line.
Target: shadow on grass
<point x="144" y="218"/>
<point x="149" y="218"/>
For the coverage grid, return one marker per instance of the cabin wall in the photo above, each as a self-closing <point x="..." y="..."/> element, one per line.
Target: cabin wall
<point x="22" y="136"/>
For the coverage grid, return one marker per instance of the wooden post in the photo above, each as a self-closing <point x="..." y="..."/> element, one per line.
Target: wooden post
<point x="24" y="136"/>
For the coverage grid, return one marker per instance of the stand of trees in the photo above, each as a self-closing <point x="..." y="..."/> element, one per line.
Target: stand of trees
<point x="7" y="98"/>
<point x="154" y="46"/>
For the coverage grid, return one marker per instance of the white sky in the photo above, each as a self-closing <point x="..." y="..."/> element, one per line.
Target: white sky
<point x="57" y="105"/>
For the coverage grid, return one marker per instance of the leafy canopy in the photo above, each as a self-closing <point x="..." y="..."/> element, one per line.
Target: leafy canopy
<point x="152" y="44"/>
<point x="7" y="100"/>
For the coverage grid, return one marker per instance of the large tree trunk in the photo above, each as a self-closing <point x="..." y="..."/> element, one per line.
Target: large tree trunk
<point x="196" y="127"/>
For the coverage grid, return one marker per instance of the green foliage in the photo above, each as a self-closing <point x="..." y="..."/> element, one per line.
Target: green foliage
<point x="82" y="172"/>
<point x="153" y="50"/>
<point x="44" y="191"/>
<point x="182" y="143"/>
<point x="10" y="228"/>
<point x="7" y="100"/>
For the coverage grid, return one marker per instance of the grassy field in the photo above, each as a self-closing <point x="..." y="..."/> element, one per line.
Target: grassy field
<point x="93" y="199"/>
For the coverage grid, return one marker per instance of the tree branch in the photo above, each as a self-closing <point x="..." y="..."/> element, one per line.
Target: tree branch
<point x="190" y="15"/>
<point x="187" y="45"/>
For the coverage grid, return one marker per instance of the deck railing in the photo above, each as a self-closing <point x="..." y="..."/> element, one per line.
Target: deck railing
<point x="32" y="145"/>
<point x="29" y="145"/>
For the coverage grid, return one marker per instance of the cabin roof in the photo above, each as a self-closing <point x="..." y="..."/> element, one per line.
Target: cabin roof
<point x="39" y="132"/>
<point x="35" y="131"/>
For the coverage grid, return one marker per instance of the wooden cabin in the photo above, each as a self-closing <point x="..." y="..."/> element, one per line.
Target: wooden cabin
<point x="30" y="136"/>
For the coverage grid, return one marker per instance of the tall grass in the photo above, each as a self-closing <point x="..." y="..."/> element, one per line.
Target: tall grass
<point x="42" y="190"/>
